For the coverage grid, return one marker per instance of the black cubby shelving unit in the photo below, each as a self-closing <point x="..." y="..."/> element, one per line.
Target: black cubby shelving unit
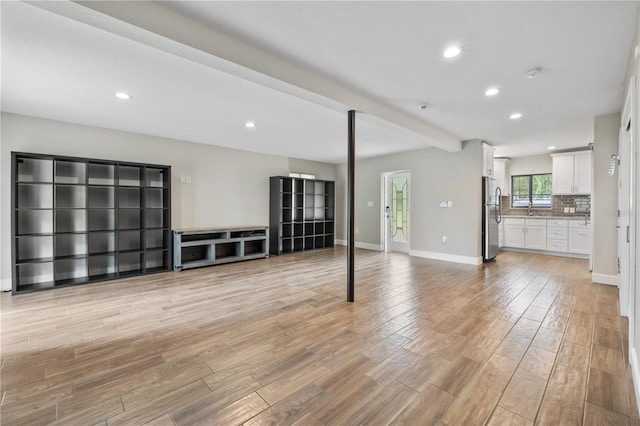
<point x="301" y="214"/>
<point x="80" y="220"/>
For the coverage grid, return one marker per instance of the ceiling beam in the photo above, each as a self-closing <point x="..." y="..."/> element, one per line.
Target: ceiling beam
<point x="154" y="25"/>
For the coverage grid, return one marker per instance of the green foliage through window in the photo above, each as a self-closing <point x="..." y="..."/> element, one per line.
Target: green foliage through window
<point x="531" y="190"/>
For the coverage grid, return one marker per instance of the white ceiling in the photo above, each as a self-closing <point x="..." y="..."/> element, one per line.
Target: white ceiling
<point x="65" y="69"/>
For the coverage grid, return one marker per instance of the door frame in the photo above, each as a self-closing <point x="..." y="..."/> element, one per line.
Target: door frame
<point x="629" y="119"/>
<point x="383" y="203"/>
<point x="625" y="238"/>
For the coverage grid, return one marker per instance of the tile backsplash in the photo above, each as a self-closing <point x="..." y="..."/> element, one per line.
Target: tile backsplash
<point x="582" y="204"/>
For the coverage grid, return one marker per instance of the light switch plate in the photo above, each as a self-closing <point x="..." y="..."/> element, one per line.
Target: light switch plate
<point x="566" y="210"/>
<point x="449" y="203"/>
<point x="370" y="203"/>
<point x="572" y="209"/>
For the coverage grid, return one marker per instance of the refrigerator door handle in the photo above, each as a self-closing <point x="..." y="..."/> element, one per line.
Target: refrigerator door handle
<point x="499" y="204"/>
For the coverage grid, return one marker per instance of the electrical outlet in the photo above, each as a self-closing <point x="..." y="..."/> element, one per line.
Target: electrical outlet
<point x="357" y="230"/>
<point x="572" y="209"/>
<point x="449" y="203"/>
<point x="444" y="239"/>
<point x="566" y="209"/>
<point x="369" y="203"/>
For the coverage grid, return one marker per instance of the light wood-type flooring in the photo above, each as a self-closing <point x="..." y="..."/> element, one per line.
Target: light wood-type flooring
<point x="527" y="339"/>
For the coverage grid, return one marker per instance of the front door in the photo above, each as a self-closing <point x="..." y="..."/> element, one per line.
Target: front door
<point x="397" y="211"/>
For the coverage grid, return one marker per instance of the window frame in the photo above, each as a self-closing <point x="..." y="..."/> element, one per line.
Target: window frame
<point x="530" y="176"/>
<point x="300" y="175"/>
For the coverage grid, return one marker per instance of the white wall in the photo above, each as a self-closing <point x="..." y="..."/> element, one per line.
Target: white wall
<point x="604" y="197"/>
<point x="228" y="186"/>
<point x="435" y="175"/>
<point x="530" y="165"/>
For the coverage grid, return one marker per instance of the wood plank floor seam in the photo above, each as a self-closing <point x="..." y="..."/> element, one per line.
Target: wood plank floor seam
<point x="547" y="384"/>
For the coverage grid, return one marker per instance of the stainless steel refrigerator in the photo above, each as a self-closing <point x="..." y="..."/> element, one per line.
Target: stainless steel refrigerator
<point x="491" y="218"/>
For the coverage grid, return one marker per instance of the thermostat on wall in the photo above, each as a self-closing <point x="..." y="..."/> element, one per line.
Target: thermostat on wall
<point x="443" y="204"/>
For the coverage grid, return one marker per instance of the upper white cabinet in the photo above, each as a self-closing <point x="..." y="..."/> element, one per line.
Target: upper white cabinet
<point x="501" y="174"/>
<point x="582" y="173"/>
<point x="487" y="160"/>
<point x="571" y="173"/>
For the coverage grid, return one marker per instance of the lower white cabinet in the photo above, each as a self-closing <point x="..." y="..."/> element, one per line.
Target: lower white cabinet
<point x="514" y="233"/>
<point x="535" y="236"/>
<point x="579" y="238"/>
<point x="525" y="233"/>
<point x="553" y="235"/>
<point x="557" y="235"/>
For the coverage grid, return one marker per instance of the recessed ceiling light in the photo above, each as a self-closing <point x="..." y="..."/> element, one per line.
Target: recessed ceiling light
<point x="533" y="72"/>
<point x="551" y="147"/>
<point x="452" y="51"/>
<point x="515" y="116"/>
<point x="492" y="91"/>
<point x="250" y="124"/>
<point x="123" y="95"/>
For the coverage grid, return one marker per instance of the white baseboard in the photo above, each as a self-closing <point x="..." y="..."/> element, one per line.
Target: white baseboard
<point x="604" y="279"/>
<point x="419" y="253"/>
<point x="358" y="244"/>
<point x="469" y="260"/>
<point x="5" y="284"/>
<point x="635" y="373"/>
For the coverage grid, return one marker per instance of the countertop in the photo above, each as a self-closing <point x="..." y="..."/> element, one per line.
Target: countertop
<point x="505" y="216"/>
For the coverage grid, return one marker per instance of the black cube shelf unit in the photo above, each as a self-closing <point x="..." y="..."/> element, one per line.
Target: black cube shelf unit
<point x="301" y="214"/>
<point x="80" y="220"/>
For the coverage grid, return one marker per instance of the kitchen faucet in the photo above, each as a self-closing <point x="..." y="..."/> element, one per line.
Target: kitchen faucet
<point x="530" y="205"/>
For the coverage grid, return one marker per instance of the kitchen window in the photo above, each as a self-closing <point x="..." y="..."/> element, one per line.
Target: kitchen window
<point x="531" y="191"/>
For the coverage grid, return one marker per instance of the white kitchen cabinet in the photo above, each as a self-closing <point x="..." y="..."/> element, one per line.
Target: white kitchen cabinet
<point x="513" y="235"/>
<point x="557" y="235"/>
<point x="525" y="233"/>
<point x="487" y="160"/>
<point x="553" y="235"/>
<point x="579" y="237"/>
<point x="571" y="173"/>
<point x="535" y="234"/>
<point x="501" y="175"/>
<point x="582" y="173"/>
<point x="562" y="174"/>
